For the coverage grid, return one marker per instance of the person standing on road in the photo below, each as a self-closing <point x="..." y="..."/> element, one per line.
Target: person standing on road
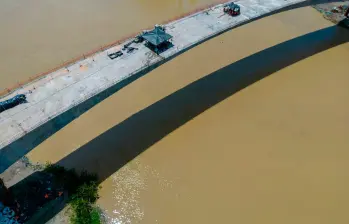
<point x="346" y="14"/>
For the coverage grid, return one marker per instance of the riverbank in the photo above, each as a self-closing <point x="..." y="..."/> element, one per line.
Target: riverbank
<point x="37" y="193"/>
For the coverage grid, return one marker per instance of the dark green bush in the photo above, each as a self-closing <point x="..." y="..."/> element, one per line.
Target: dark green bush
<point x="83" y="192"/>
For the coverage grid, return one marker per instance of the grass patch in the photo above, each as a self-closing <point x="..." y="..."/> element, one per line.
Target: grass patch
<point x="83" y="193"/>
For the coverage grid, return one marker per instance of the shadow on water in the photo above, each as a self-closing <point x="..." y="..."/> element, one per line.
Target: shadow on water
<point x="17" y="149"/>
<point x="114" y="148"/>
<point x="111" y="150"/>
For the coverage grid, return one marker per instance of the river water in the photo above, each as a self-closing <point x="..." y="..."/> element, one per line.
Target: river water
<point x="274" y="152"/>
<point x="38" y="35"/>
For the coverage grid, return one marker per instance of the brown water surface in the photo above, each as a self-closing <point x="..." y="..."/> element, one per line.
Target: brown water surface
<point x="274" y="152"/>
<point x="37" y="35"/>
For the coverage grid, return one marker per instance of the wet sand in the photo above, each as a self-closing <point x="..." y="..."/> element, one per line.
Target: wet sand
<point x="38" y="35"/>
<point x="274" y="152"/>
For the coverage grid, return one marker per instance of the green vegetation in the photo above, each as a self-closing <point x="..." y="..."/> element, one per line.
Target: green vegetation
<point x="96" y="216"/>
<point x="82" y="203"/>
<point x="83" y="193"/>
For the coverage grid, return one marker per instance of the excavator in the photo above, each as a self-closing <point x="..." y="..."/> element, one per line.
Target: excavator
<point x="232" y="9"/>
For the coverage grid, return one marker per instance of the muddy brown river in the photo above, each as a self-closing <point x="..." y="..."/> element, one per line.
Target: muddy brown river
<point x="273" y="152"/>
<point x="37" y="35"/>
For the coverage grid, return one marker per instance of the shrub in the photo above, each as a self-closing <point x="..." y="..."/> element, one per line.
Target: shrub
<point x="83" y="191"/>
